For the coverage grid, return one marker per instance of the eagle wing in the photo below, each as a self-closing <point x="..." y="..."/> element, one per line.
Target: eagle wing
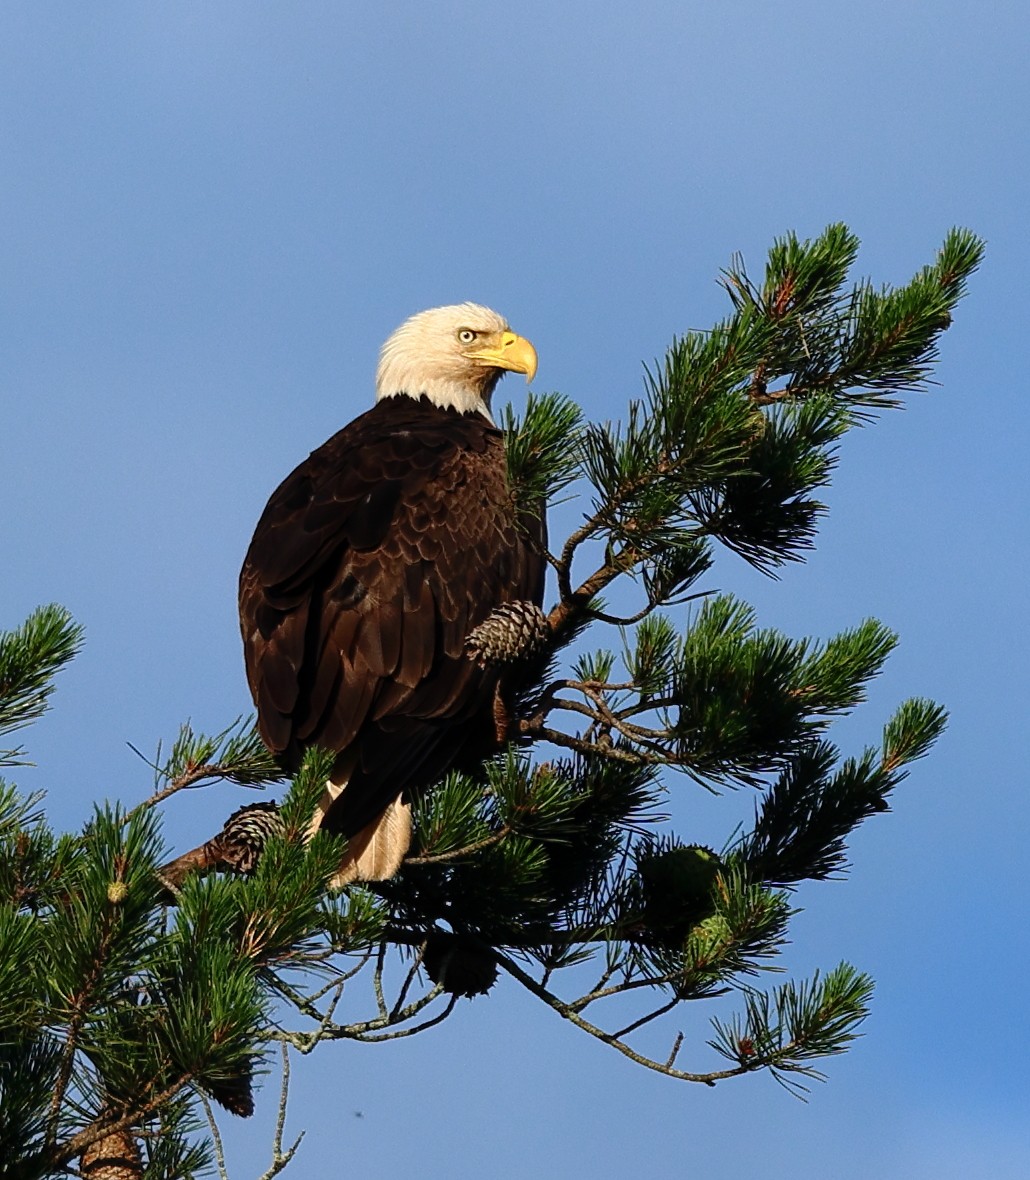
<point x="370" y="566"/>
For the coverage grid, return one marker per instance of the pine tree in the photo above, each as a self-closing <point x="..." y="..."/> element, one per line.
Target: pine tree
<point x="132" y="990"/>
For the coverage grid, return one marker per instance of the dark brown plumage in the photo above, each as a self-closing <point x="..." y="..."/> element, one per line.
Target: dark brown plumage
<point x="370" y="566"/>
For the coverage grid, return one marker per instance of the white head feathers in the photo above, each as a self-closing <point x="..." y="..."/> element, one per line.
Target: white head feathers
<point x="454" y="355"/>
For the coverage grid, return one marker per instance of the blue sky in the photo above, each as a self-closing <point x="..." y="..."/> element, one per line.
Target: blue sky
<point x="211" y="216"/>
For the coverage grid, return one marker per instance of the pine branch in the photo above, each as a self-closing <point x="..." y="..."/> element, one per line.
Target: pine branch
<point x="236" y="754"/>
<point x="798" y="1024"/>
<point x="282" y="1159"/>
<point x="806" y="816"/>
<point x="541" y="451"/>
<point x="30" y="658"/>
<point x="117" y="1017"/>
<point x="59" y="1155"/>
<point x="567" y="1012"/>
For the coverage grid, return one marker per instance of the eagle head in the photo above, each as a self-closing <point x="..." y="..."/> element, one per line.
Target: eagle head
<point x="454" y="356"/>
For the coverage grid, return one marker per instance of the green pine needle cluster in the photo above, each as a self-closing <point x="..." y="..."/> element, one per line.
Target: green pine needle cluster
<point x="798" y="1023"/>
<point x="126" y="1001"/>
<point x="115" y="1010"/>
<point x="234" y="754"/>
<point x="30" y="657"/>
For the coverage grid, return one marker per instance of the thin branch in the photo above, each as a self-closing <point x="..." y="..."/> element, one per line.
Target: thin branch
<point x="284" y="1160"/>
<point x="372" y="1038"/>
<point x="770" y="397"/>
<point x="533" y="728"/>
<point x="216" y="1137"/>
<point x="181" y="782"/>
<point x="281" y="1159"/>
<point x="325" y="1023"/>
<point x="77" y="1144"/>
<point x="337" y="982"/>
<point x="284" y="1094"/>
<point x="620" y="621"/>
<point x="328" y="1030"/>
<point x="600" y="686"/>
<point x="563" y="566"/>
<point x="409" y="979"/>
<point x="568" y="1013"/>
<point x="677" y="1044"/>
<point x="377" y="981"/>
<point x="627" y="985"/>
<point x="624" y="1032"/>
<point x="387" y="1021"/>
<point x="304" y="1004"/>
<point x="457" y="853"/>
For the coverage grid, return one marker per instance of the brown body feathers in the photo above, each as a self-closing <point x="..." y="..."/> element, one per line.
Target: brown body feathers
<point x="370" y="566"/>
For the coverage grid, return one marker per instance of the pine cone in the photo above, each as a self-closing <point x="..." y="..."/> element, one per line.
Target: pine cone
<point x="246" y="831"/>
<point x="238" y="846"/>
<point x="677" y="884"/>
<point x="235" y="1094"/>
<point x="464" y="966"/>
<point x="514" y="632"/>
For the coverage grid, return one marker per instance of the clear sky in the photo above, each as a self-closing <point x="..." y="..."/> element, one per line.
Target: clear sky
<point x="212" y="214"/>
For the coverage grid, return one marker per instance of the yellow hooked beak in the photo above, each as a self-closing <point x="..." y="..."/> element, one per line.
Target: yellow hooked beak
<point x="508" y="351"/>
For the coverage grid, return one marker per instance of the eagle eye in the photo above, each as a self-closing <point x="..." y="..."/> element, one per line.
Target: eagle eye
<point x="466" y="335"/>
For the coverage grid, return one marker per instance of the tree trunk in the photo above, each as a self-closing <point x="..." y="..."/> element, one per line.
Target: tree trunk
<point x="115" y="1157"/>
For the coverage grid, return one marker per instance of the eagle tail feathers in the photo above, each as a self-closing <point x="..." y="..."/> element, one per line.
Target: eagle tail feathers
<point x="376" y="852"/>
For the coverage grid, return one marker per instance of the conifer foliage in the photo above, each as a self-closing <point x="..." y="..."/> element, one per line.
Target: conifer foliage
<point x="130" y="997"/>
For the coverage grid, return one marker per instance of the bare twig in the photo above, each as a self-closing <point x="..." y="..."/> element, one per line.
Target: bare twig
<point x="363" y="1030"/>
<point x="281" y="1159"/>
<point x="533" y="727"/>
<point x="371" y="1038"/>
<point x="627" y="985"/>
<point x="619" y="620"/>
<point x="284" y="1094"/>
<point x="216" y="1137"/>
<point x="569" y="1013"/>
<point x="409" y="979"/>
<point x="624" y="1032"/>
<point x="377" y="981"/>
<point x="677" y="1044"/>
<point x="326" y="1022"/>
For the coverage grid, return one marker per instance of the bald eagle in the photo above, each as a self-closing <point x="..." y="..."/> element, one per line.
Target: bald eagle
<point x="369" y="568"/>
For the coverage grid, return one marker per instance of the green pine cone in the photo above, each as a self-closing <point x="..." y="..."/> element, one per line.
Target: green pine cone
<point x="677" y="888"/>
